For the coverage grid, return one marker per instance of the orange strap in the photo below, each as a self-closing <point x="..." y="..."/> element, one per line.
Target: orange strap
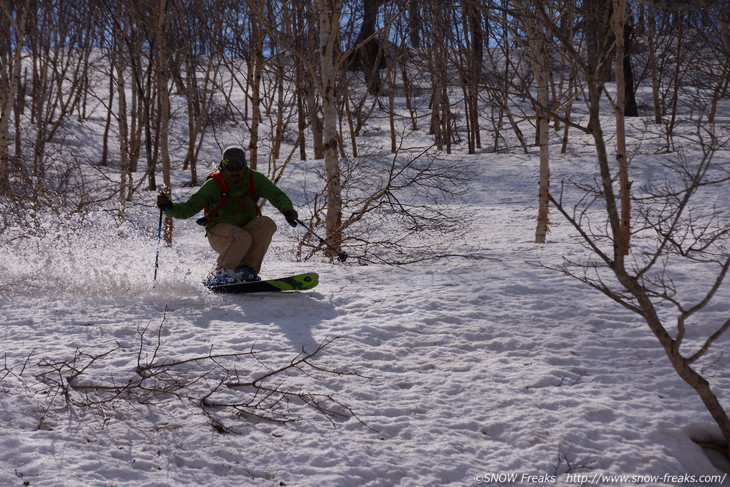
<point x="224" y="199"/>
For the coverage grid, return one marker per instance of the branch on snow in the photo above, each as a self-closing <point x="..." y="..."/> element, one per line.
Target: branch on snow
<point x="232" y="382"/>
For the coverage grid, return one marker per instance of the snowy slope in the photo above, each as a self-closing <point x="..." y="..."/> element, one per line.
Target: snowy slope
<point x="461" y="372"/>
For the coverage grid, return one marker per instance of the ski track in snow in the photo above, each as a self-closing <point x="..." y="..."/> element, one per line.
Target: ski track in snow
<point x="464" y="368"/>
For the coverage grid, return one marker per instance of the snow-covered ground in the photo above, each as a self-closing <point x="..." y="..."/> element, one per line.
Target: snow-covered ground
<point x="483" y="369"/>
<point x="458" y="372"/>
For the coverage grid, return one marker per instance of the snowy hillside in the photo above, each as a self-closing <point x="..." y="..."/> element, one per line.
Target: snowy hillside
<point x="489" y="369"/>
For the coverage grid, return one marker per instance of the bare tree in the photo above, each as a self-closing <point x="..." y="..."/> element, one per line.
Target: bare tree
<point x="504" y="62"/>
<point x="162" y="78"/>
<point x="55" y="75"/>
<point x="674" y="232"/>
<point x="309" y="41"/>
<point x="440" y="126"/>
<point x="618" y="23"/>
<point x="368" y="56"/>
<point x="13" y="18"/>
<point x="671" y="229"/>
<point x="399" y="209"/>
<point x="329" y="21"/>
<point x="540" y="61"/>
<point x="255" y="72"/>
<point x="121" y="29"/>
<point x="202" y="65"/>
<point x="721" y="49"/>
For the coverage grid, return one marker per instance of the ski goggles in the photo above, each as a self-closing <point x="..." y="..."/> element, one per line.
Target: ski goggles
<point x="232" y="165"/>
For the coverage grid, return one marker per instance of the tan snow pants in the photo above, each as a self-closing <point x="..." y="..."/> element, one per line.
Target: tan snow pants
<point x="245" y="245"/>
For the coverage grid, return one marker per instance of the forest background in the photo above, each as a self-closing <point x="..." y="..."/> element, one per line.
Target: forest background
<point x="315" y="72"/>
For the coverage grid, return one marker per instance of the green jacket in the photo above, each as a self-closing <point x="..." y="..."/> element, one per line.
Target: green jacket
<point x="241" y="208"/>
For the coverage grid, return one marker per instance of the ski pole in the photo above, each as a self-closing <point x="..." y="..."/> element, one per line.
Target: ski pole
<point x="341" y="256"/>
<point x="159" y="239"/>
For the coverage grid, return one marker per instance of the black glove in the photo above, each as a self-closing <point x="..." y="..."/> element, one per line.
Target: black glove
<point x="164" y="202"/>
<point x="291" y="216"/>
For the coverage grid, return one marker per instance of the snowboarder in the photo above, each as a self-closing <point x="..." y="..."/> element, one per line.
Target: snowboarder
<point x="233" y="222"/>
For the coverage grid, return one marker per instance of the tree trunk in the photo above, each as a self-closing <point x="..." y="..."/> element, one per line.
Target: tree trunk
<point x="568" y="109"/>
<point x="163" y="92"/>
<point x="329" y="21"/>
<point x="415" y="24"/>
<point x="671" y="346"/>
<point x="723" y="83"/>
<point x="595" y="89"/>
<point x="474" y="75"/>
<point x="440" y="96"/>
<point x="301" y="75"/>
<point x="543" y="128"/>
<point x="390" y="83"/>
<point x="618" y="22"/>
<point x="121" y="30"/>
<point x="257" y="67"/>
<point x="368" y="56"/>
<point x="10" y="85"/>
<point x="539" y="59"/>
<point x="631" y="108"/>
<point x="652" y="64"/>
<point x="315" y="123"/>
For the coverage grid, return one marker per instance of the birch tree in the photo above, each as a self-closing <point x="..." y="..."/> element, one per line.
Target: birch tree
<point x="673" y="232"/>
<point x="329" y="12"/>
<point x="256" y="68"/>
<point x="618" y="21"/>
<point x="685" y="326"/>
<point x="540" y="61"/>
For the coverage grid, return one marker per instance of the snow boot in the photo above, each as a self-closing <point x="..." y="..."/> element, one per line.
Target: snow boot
<point x="221" y="277"/>
<point x="246" y="274"/>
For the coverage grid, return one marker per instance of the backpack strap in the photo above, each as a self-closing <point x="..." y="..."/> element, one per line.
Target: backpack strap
<point x="224" y="198"/>
<point x="220" y="181"/>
